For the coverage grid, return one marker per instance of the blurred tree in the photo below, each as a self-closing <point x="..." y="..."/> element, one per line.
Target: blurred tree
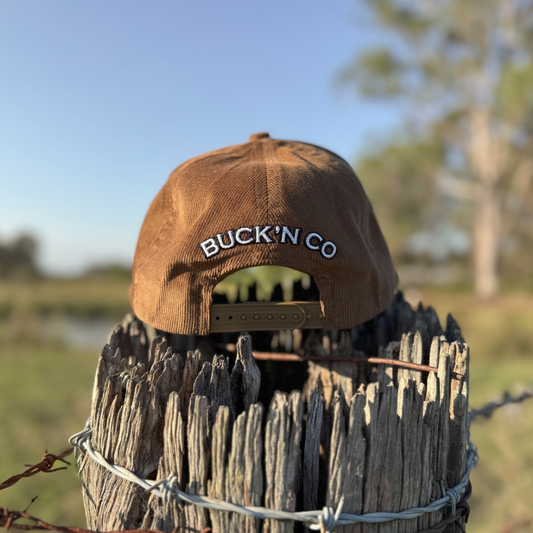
<point x="18" y="258"/>
<point x="464" y="72"/>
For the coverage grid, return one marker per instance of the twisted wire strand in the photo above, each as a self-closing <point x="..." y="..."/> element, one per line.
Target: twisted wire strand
<point x="324" y="520"/>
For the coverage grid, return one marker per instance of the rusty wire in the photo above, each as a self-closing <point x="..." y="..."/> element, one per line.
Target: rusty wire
<point x="45" y="465"/>
<point x="8" y="520"/>
<point x="281" y="356"/>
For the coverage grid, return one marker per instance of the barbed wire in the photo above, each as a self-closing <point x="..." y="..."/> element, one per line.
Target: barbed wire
<point x="8" y="520"/>
<point x="489" y="408"/>
<point x="324" y="520"/>
<point x="45" y="465"/>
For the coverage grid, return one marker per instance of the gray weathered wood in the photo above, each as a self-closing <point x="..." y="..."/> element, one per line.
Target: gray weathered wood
<point x="244" y="482"/>
<point x="199" y="457"/>
<point x="381" y="438"/>
<point x="410" y="408"/>
<point x="429" y="440"/>
<point x="355" y="460"/>
<point x="375" y="442"/>
<point x="458" y="422"/>
<point x="127" y="419"/>
<point x="247" y="387"/>
<point x="282" y="456"/>
<point x="337" y="451"/>
<point x="312" y="450"/>
<point x="220" y="520"/>
<point x="165" y="516"/>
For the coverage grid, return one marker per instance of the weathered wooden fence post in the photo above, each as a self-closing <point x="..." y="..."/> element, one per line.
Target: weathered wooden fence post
<point x="378" y="437"/>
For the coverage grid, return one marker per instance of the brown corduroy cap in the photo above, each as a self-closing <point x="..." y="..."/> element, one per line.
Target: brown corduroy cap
<point x="265" y="202"/>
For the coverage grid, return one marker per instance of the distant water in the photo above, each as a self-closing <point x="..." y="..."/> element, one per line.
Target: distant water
<point x="87" y="332"/>
<point x="75" y="332"/>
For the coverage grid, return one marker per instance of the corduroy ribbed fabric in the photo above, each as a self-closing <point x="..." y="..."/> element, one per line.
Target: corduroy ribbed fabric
<point x="265" y="202"/>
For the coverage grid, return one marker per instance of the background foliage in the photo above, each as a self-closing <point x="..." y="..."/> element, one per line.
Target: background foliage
<point x="452" y="188"/>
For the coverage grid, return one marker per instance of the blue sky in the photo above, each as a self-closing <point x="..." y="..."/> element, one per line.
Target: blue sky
<point x="101" y="100"/>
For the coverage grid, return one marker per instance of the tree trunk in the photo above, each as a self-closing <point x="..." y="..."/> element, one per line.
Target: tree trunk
<point x="486" y="243"/>
<point x="486" y="164"/>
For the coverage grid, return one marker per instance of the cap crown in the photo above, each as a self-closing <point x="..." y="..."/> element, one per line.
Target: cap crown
<point x="265" y="202"/>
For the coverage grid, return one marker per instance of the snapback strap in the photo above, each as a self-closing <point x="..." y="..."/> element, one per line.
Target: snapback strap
<point x="265" y="316"/>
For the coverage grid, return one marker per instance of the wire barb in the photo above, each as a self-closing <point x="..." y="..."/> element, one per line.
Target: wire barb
<point x="320" y="520"/>
<point x="324" y="520"/>
<point x="45" y="465"/>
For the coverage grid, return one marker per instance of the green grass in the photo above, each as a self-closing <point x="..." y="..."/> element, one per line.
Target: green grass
<point x="86" y="297"/>
<point x="44" y="398"/>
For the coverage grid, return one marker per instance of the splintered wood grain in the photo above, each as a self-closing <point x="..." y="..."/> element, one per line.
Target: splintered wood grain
<point x="236" y="473"/>
<point x="312" y="451"/>
<point x="381" y="438"/>
<point x="190" y="373"/>
<point x="127" y="420"/>
<point x="282" y="457"/>
<point x="253" y="464"/>
<point x="161" y="515"/>
<point x="247" y="380"/>
<point x="198" y="459"/>
<point x="458" y="422"/>
<point x="386" y="374"/>
<point x="244" y="479"/>
<point x="347" y="457"/>
<point x="443" y="436"/>
<point x="135" y="340"/>
<point x="375" y="444"/>
<point x="392" y="462"/>
<point x="355" y="460"/>
<point x="337" y="454"/>
<point x="330" y="376"/>
<point x="410" y="405"/>
<point x="220" y="520"/>
<point x="411" y="350"/>
<point x="430" y="431"/>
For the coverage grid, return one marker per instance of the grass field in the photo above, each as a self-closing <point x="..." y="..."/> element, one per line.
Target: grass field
<point x="45" y="397"/>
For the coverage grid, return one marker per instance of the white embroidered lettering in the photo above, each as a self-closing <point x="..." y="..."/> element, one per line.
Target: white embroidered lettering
<point x="220" y="237"/>
<point x="293" y="237"/>
<point x="266" y="234"/>
<point x="262" y="233"/>
<point x="240" y="231"/>
<point x="209" y="248"/>
<point x="308" y="241"/>
<point x="333" y="250"/>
